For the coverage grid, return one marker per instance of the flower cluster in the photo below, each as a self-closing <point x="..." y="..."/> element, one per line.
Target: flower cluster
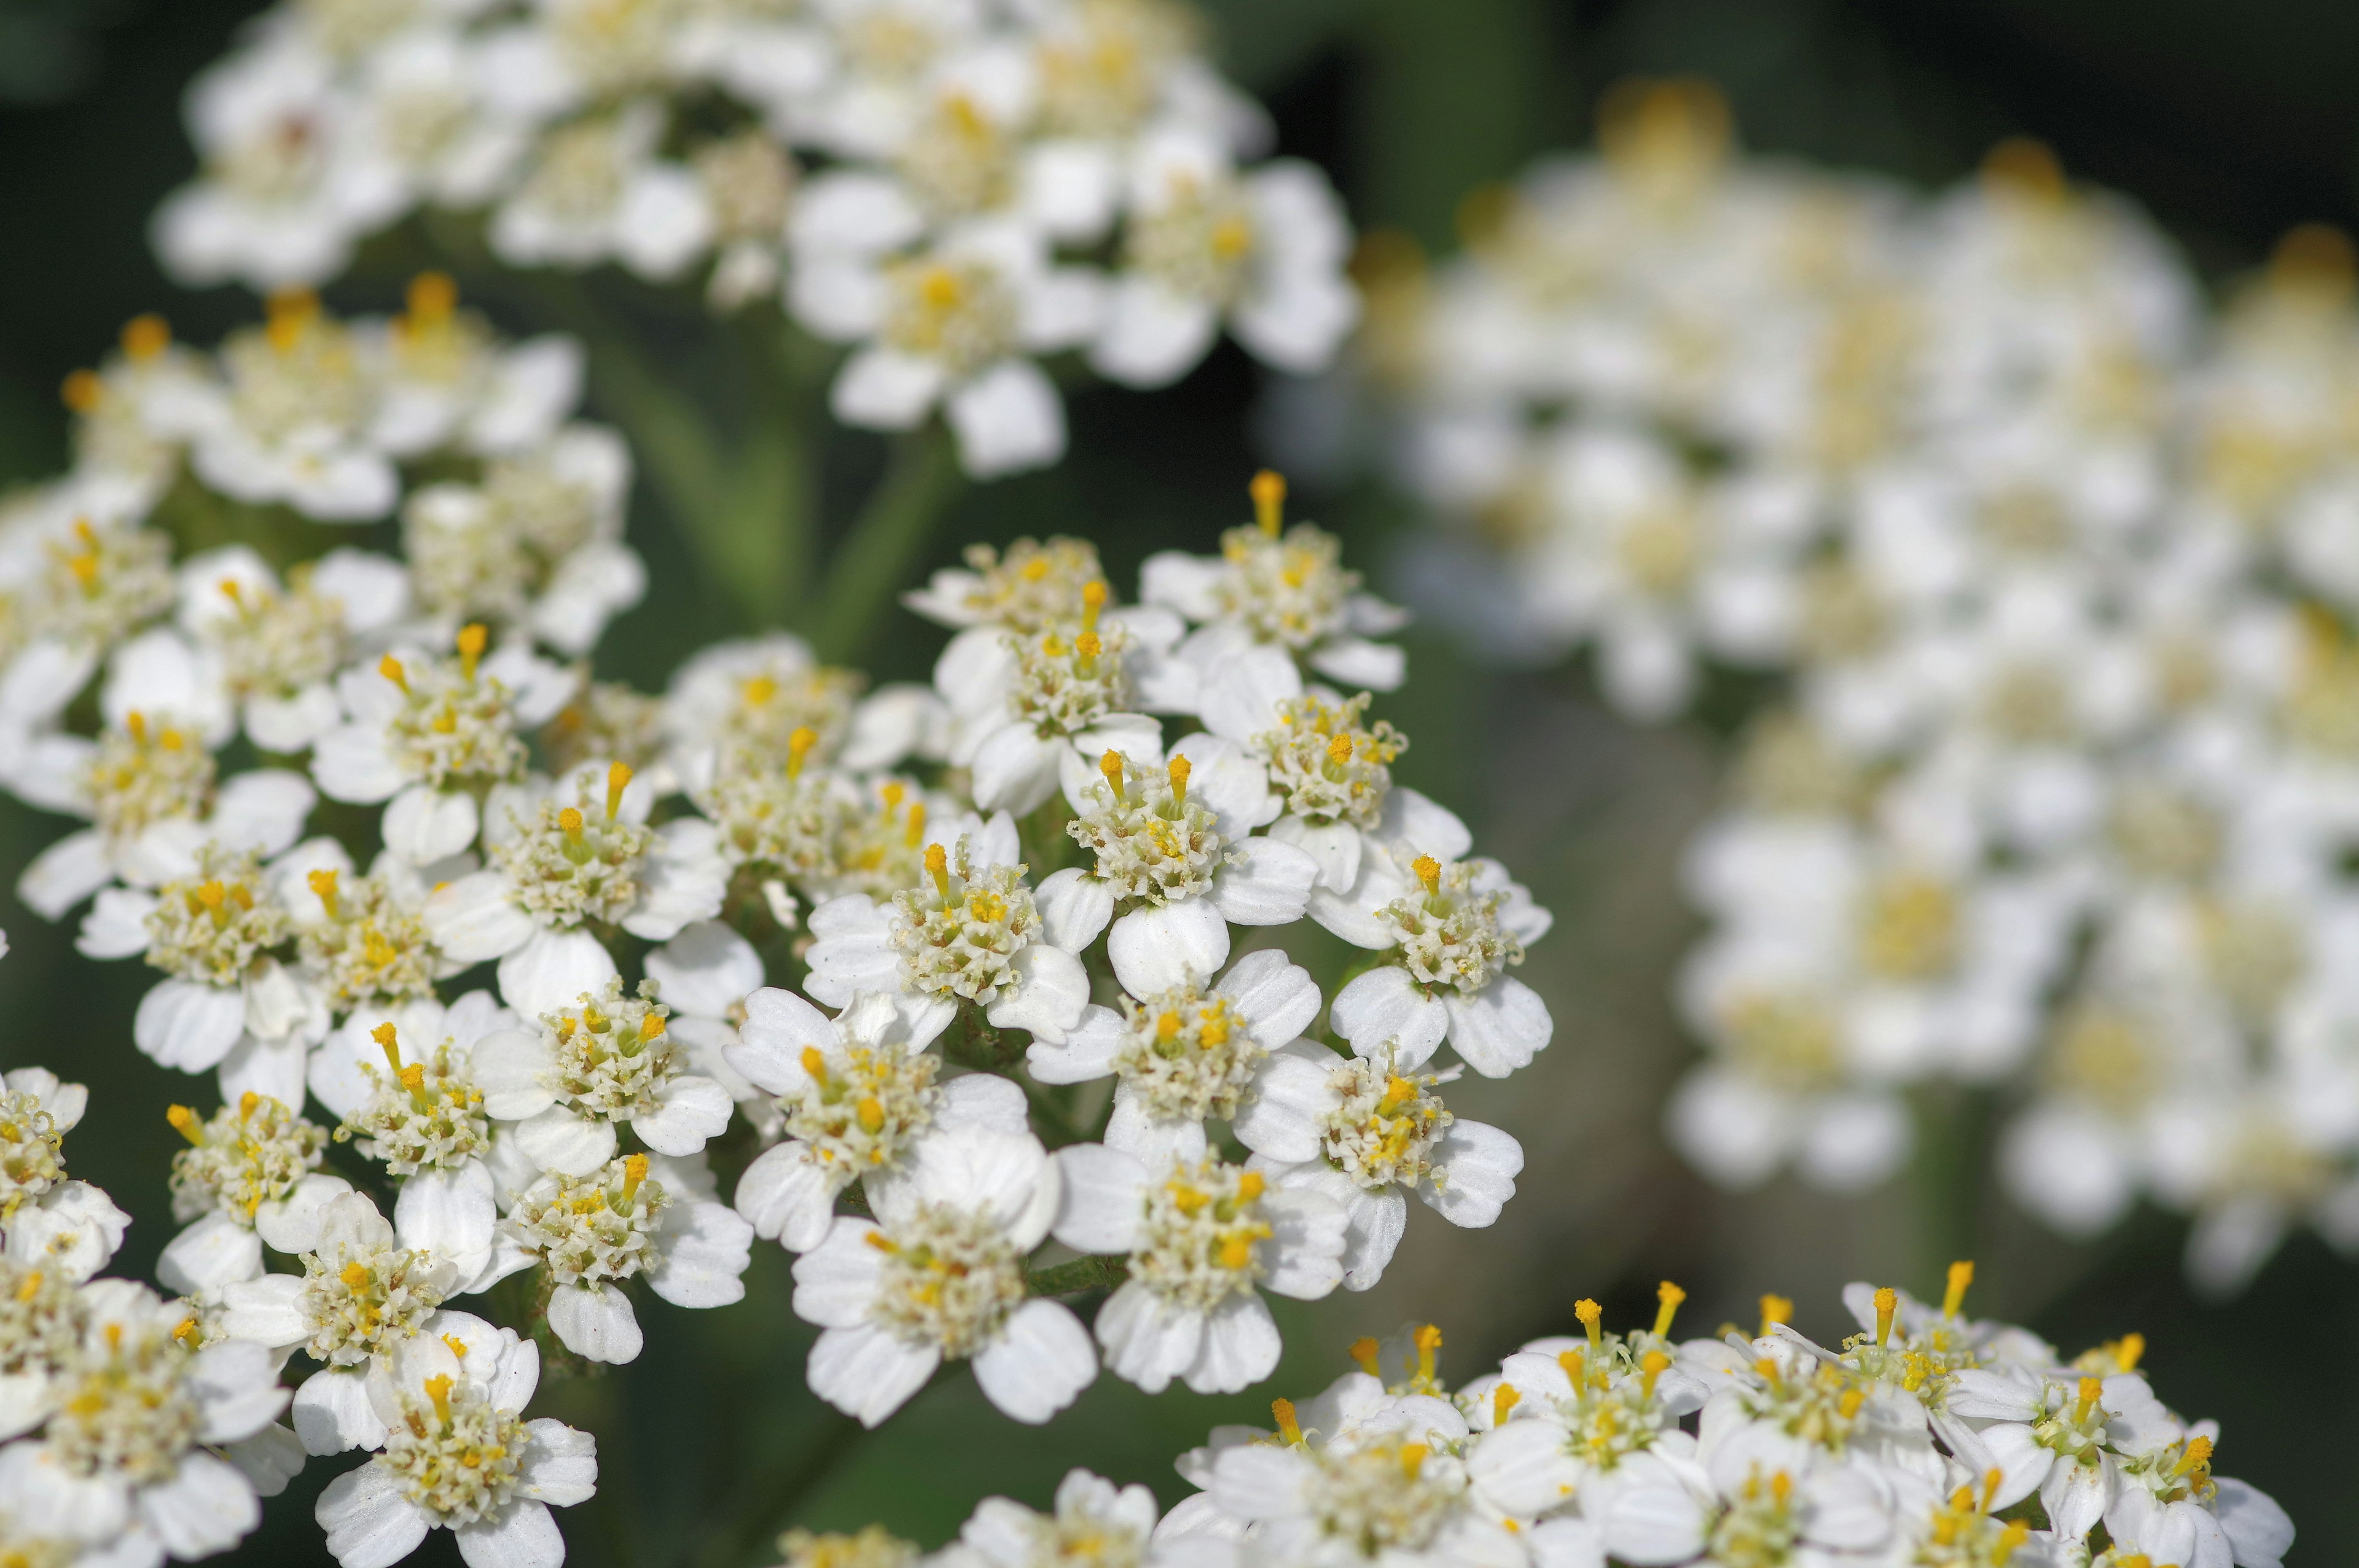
<point x="2056" y="796"/>
<point x="952" y="190"/>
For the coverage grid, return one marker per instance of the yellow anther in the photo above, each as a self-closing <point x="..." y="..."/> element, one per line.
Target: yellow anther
<point x="1251" y="1185"/>
<point x="1269" y="492"/>
<point x="1429" y="871"/>
<point x="1781" y="1487"/>
<point x="1398" y="1092"/>
<point x="1364" y="1351"/>
<point x="815" y="1064"/>
<point x="413" y="1077"/>
<point x="187" y="1123"/>
<point x="83" y="391"/>
<point x="114" y="1337"/>
<point x="1502" y="1399"/>
<point x="915" y="833"/>
<point x="1412" y="1458"/>
<point x="1180" y="769"/>
<point x="472" y="638"/>
<point x="1853" y="1398"/>
<point x="1113" y="766"/>
<point x="2199" y="1453"/>
<point x="1338" y="750"/>
<point x="1429" y="1340"/>
<point x="355" y="1276"/>
<point x="569" y="821"/>
<point x="2130" y="1351"/>
<point x="1236" y="1253"/>
<point x="1185" y="1198"/>
<point x="233" y="591"/>
<point x="1991" y="1480"/>
<point x="1961" y="1274"/>
<point x="136" y="722"/>
<point x="437" y="1389"/>
<point x="1775" y="1309"/>
<point x="937" y="866"/>
<point x="291" y="311"/>
<point x="798" y="749"/>
<point x="892" y="791"/>
<point x="1167" y="1027"/>
<point x="432" y="298"/>
<point x="872" y="1115"/>
<point x="29" y="1287"/>
<point x="1887" y="1302"/>
<point x="212" y="894"/>
<point x="1593" y="1317"/>
<point x="1667" y="1296"/>
<point x="758" y="690"/>
<point x="186" y="1331"/>
<point x="145" y="337"/>
<point x="1573" y="1364"/>
<point x="1094" y="603"/>
<point x="2016" y="1531"/>
<point x="390" y="668"/>
<point x="635" y="1170"/>
<point x="322" y="883"/>
<point x="1089" y="646"/>
<point x="246" y="1104"/>
<point x="383" y="1037"/>
<point x="1653" y="1364"/>
<point x="2091" y="1390"/>
<point x="1287" y="1427"/>
<point x="652" y="1026"/>
<point x="458" y="1346"/>
<point x="618" y="779"/>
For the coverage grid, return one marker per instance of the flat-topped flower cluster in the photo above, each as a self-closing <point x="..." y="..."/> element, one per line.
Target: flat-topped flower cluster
<point x="1925" y="1437"/>
<point x="2059" y="569"/>
<point x="956" y="188"/>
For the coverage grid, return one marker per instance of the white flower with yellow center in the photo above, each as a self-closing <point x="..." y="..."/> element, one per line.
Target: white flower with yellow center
<point x="68" y="1229"/>
<point x="459" y="1455"/>
<point x="635" y="1217"/>
<point x="129" y="1462"/>
<point x="431" y="737"/>
<point x="1029" y="587"/>
<point x="128" y="416"/>
<point x="41" y="1320"/>
<point x="571" y="1080"/>
<point x="939" y="1275"/>
<point x="1173" y="854"/>
<point x="569" y="859"/>
<point x="956" y="326"/>
<point x="1450" y="931"/>
<point x="1265" y="251"/>
<point x="149" y="789"/>
<point x="360" y="940"/>
<point x="447" y="381"/>
<point x="594" y="191"/>
<point x="361" y="1294"/>
<point x="1203" y="1239"/>
<point x="402" y="1079"/>
<point x="1366" y="1136"/>
<point x="972" y="934"/>
<point x="1091" y="1521"/>
<point x="854" y="1096"/>
<point x="1277" y="587"/>
<point x="277" y="646"/>
<point x="744" y="700"/>
<point x="250" y="1176"/>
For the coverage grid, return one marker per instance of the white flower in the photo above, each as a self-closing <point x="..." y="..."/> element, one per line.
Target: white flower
<point x="1029" y="587"/>
<point x="1451" y="931"/>
<point x="1185" y="1054"/>
<point x="1203" y="1238"/>
<point x="277" y="646"/>
<point x="250" y="1176"/>
<point x="459" y="1455"/>
<point x="42" y="1316"/>
<point x="570" y="1079"/>
<point x="1091" y="1517"/>
<point x="633" y="1218"/>
<point x="939" y="1275"/>
<point x="564" y="860"/>
<point x="1264" y="250"/>
<point x="594" y="190"/>
<point x="855" y="1097"/>
<point x="974" y="935"/>
<point x="431" y="736"/>
<point x="444" y="380"/>
<point x="1180" y="865"/>
<point x="35" y="1113"/>
<point x="360" y="1296"/>
<point x="748" y="696"/>
<point x="1366" y="1135"/>
<point x="125" y="1465"/>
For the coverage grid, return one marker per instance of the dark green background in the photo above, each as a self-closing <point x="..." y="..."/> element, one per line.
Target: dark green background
<point x="2229" y="123"/>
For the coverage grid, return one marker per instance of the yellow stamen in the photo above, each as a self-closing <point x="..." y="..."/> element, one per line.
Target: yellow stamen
<point x="136" y="723"/>
<point x="1653" y="1365"/>
<point x="1251" y="1185"/>
<point x="1887" y="1302"/>
<point x="472" y="638"/>
<point x="635" y="1170"/>
<point x="82" y="392"/>
<point x="355" y="1276"/>
<point x="145" y="337"/>
<point x="1991" y="1479"/>
<point x="187" y="1123"/>
<point x="1180" y="771"/>
<point x="917" y="830"/>
<point x="1412" y="1458"/>
<point x="1338" y="750"/>
<point x="2016" y="1531"/>
<point x="2092" y="1389"/>
<point x="1775" y="1309"/>
<point x="618" y="779"/>
<point x="1591" y="1317"/>
<point x="798" y="749"/>
<point x="30" y="1286"/>
<point x="458" y="1346"/>
<point x="1112" y="765"/>
<point x="291" y="310"/>
<point x="2199" y="1452"/>
<point x="1429" y="1340"/>
<point x="1287" y="1427"/>
<point x="814" y="1064"/>
<point x="2130" y="1351"/>
<point x="652" y="1026"/>
<point x="569" y="822"/>
<point x="1094" y="602"/>
<point x="1269" y="492"/>
<point x="390" y="668"/>
<point x="758" y="690"/>
<point x="1236" y="1252"/>
<point x="1429" y="871"/>
<point x="937" y="866"/>
<point x="872" y="1115"/>
<point x="1961" y="1274"/>
<point x="384" y="1035"/>
<point x="1502" y="1399"/>
<point x="432" y="298"/>
<point x="438" y="1388"/>
<point x="1669" y="1296"/>
<point x="1364" y="1351"/>
<point x="212" y="894"/>
<point x="186" y="1330"/>
<point x="413" y="1077"/>
<point x="322" y="883"/>
<point x="246" y="1104"/>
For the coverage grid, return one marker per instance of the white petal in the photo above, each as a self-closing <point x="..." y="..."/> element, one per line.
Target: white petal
<point x="693" y="1110"/>
<point x="213" y="1251"/>
<point x="473" y="919"/>
<point x="1147" y="1340"/>
<point x="1039" y="1362"/>
<point x="1007" y="419"/>
<point x="1500" y="1028"/>
<point x="331" y="1412"/>
<point x="190" y="1026"/>
<point x="1104" y="1200"/>
<point x="1159" y="948"/>
<point x="521" y="1535"/>
<point x="1049" y="996"/>
<point x="557" y="1140"/>
<point x="555" y="970"/>
<point x="423" y="825"/>
<point x="1240" y="1347"/>
<point x="706" y="970"/>
<point x="1074" y="908"/>
<point x="1384" y="1009"/>
<point x="866" y="1372"/>
<point x="1265" y="884"/>
<point x="706" y="1250"/>
<point x="596" y="1325"/>
<point x="206" y="1507"/>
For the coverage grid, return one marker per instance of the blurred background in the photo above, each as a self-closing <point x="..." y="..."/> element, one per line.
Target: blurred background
<point x="2230" y="125"/>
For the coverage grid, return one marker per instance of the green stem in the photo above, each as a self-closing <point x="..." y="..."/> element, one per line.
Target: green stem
<point x="1953" y="1147"/>
<point x="1080" y="1274"/>
<point x="878" y="556"/>
<point x="837" y="1436"/>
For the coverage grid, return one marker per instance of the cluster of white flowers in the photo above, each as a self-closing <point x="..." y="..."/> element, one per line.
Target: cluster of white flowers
<point x="954" y="189"/>
<point x="2057" y="794"/>
<point x="1925" y="1440"/>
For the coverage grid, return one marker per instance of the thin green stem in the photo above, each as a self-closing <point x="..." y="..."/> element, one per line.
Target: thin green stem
<point x="1953" y="1148"/>
<point x="1080" y="1274"/>
<point x="836" y="1436"/>
<point x="886" y="540"/>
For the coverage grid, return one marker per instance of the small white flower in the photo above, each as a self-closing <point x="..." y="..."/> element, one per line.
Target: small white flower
<point x="594" y="190"/>
<point x="459" y="1455"/>
<point x="250" y="1176"/>
<point x="1202" y="1238"/>
<point x="277" y="646"/>
<point x="939" y="1276"/>
<point x="1090" y="1519"/>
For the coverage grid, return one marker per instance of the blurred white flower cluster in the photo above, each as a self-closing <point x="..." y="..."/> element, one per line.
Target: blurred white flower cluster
<point x="2058" y="795"/>
<point x="954" y="189"/>
<point x="1925" y="1437"/>
<point x="323" y="793"/>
